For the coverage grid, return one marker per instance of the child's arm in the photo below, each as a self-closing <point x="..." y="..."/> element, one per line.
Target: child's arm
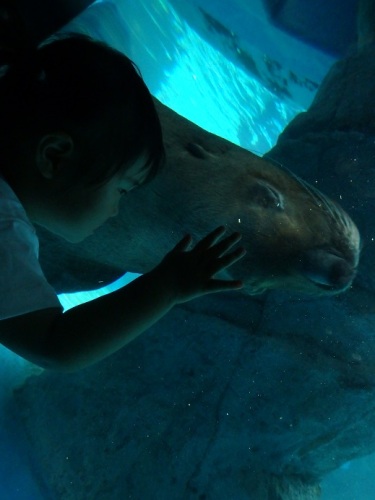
<point x="91" y="331"/>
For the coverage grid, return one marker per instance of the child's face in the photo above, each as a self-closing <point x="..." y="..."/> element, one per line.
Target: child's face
<point x="82" y="210"/>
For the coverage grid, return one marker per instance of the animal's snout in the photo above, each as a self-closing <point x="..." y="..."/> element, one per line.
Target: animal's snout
<point x="327" y="269"/>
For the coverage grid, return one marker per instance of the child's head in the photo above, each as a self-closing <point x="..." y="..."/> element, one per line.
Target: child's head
<point x="88" y="90"/>
<point x="79" y="100"/>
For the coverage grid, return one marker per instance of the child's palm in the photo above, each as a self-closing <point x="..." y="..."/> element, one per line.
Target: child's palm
<point x="189" y="273"/>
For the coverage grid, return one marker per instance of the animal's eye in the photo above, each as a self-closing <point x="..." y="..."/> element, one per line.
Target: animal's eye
<point x="122" y="191"/>
<point x="264" y="195"/>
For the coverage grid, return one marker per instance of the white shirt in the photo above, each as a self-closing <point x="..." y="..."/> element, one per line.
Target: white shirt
<point x="23" y="286"/>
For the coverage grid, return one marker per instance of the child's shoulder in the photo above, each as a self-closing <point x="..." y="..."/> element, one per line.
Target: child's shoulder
<point x="10" y="206"/>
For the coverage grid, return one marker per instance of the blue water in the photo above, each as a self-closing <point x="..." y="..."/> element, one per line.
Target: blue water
<point x="191" y="76"/>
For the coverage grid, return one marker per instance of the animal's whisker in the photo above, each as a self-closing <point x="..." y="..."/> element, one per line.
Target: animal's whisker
<point x="320" y="199"/>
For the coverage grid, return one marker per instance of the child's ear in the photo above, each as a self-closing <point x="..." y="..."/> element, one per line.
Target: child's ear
<point x="52" y="152"/>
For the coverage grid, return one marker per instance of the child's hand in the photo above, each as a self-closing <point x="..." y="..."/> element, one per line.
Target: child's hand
<point x="189" y="273"/>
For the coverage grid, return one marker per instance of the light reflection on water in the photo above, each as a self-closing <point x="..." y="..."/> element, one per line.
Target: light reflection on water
<point x="222" y="98"/>
<point x="184" y="72"/>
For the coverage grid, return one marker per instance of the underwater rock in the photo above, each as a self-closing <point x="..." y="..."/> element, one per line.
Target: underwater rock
<point x="230" y="396"/>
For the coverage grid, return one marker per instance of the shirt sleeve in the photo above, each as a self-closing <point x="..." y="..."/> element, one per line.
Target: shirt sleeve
<point x="23" y="286"/>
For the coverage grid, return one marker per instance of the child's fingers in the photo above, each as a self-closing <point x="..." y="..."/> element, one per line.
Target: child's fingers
<point x="224" y="245"/>
<point x="210" y="239"/>
<point x="223" y="285"/>
<point x="183" y="244"/>
<point x="229" y="259"/>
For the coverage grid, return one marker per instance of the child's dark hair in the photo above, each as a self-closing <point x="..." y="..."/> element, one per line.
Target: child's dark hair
<point x="76" y="85"/>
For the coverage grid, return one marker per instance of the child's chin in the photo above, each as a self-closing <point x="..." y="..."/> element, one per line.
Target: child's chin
<point x="76" y="238"/>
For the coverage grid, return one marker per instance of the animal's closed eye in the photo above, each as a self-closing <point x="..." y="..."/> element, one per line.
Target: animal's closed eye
<point x="197" y="150"/>
<point x="264" y="195"/>
<point x="122" y="191"/>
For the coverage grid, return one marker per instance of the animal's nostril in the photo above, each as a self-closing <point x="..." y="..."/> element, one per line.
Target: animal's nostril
<point x="328" y="269"/>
